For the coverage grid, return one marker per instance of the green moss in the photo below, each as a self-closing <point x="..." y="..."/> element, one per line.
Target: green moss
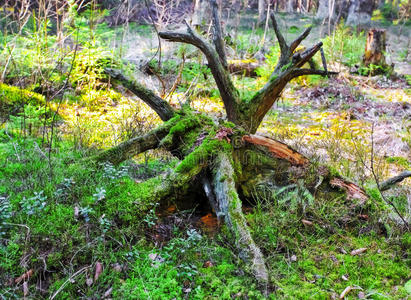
<point x="285" y="67"/>
<point x="202" y="154"/>
<point x="401" y="161"/>
<point x="12" y="98"/>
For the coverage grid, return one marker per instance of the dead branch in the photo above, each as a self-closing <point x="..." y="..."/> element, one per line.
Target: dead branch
<point x="229" y="93"/>
<point x="160" y="106"/>
<point x="134" y="146"/>
<point x="389" y="183"/>
<point x="218" y="36"/>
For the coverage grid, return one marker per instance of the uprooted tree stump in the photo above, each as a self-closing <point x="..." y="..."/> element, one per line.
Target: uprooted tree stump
<point x="226" y="160"/>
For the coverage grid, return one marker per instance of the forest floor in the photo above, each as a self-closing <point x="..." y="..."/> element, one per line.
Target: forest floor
<point x="72" y="232"/>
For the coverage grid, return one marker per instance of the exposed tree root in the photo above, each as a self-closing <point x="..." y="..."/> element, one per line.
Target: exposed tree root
<point x="134" y="146"/>
<point x="229" y="205"/>
<point x="278" y="149"/>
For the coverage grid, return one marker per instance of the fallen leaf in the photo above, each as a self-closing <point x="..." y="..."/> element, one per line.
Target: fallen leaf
<point x="306" y="222"/>
<point x="363" y="217"/>
<point x="108" y="292"/>
<point x="25" y="289"/>
<point x="99" y="270"/>
<point x="208" y="264"/>
<point x="24" y="277"/>
<point x="76" y="212"/>
<point x="89" y="282"/>
<point x="345" y="292"/>
<point x="358" y="251"/>
<point x="117" y="267"/>
<point x="344" y="277"/>
<point x="293" y="258"/>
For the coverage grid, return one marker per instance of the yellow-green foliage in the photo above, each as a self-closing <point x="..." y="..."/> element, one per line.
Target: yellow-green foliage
<point x="12" y="97"/>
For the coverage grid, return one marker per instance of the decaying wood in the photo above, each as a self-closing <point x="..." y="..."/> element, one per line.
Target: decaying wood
<point x="134" y="146"/>
<point x="389" y="183"/>
<point x="159" y="105"/>
<point x="217" y="164"/>
<point x="375" y="48"/>
<point x="278" y="149"/>
<point x="241" y="67"/>
<point x="353" y="191"/>
<point x="229" y="205"/>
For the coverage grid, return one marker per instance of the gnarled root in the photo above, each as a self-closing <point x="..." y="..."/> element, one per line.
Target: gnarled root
<point x="229" y="205"/>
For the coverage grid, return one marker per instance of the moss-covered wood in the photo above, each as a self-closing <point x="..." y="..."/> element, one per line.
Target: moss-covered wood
<point x="229" y="205"/>
<point x="229" y="172"/>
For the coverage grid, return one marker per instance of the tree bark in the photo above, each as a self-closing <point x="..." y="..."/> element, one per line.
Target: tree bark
<point x="375" y="48"/>
<point x="261" y="10"/>
<point x="229" y="206"/>
<point x="360" y="12"/>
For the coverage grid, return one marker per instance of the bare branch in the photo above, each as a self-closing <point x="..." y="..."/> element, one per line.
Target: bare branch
<point x="262" y="101"/>
<point x="283" y="44"/>
<point x="299" y="59"/>
<point x="134" y="146"/>
<point x="302" y="72"/>
<point x="229" y="93"/>
<point x="299" y="39"/>
<point x="218" y="36"/>
<point x="161" y="107"/>
<point x="394" y="180"/>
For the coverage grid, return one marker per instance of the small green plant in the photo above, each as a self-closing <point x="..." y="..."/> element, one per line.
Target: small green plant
<point x="85" y="212"/>
<point x="35" y="204"/>
<point x="100" y="194"/>
<point x="344" y="46"/>
<point x="5" y="214"/>
<point x="150" y="218"/>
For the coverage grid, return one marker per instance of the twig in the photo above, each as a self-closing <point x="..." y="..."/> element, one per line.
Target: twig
<point x="386" y="200"/>
<point x="68" y="280"/>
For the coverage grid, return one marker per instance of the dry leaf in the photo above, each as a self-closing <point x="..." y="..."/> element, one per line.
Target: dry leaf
<point x="89" y="281"/>
<point x="293" y="258"/>
<point x="108" y="292"/>
<point x="363" y="217"/>
<point x="358" y="251"/>
<point x="24" y="277"/>
<point x="345" y="292"/>
<point x="25" y="289"/>
<point x="306" y="222"/>
<point x="208" y="264"/>
<point x="344" y="277"/>
<point x="76" y="212"/>
<point x="99" y="270"/>
<point x="117" y="267"/>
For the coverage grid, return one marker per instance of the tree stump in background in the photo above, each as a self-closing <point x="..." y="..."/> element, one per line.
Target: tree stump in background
<point x="375" y="48"/>
<point x="374" y="55"/>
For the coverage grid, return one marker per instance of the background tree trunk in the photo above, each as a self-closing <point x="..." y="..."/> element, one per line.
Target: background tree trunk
<point x="261" y="10"/>
<point x="360" y="12"/>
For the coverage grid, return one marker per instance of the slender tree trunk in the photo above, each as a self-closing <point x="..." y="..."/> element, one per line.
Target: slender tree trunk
<point x="261" y="10"/>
